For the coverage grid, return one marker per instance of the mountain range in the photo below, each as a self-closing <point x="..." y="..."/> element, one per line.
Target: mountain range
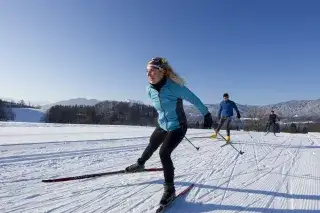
<point x="301" y="110"/>
<point x="294" y="108"/>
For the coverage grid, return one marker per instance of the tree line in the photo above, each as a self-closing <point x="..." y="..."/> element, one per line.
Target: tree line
<point x="6" y="113"/>
<point x="107" y="112"/>
<point x="288" y="127"/>
<point x="126" y="113"/>
<point x="20" y="104"/>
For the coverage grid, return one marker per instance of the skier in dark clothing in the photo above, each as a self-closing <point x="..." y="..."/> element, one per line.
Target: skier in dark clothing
<point x="225" y="115"/>
<point x="272" y="121"/>
<point x="167" y="91"/>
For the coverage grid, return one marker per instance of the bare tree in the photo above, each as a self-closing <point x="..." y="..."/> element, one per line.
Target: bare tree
<point x="256" y="119"/>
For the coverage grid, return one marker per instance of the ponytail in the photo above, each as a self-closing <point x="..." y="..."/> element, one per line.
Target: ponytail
<point x="173" y="76"/>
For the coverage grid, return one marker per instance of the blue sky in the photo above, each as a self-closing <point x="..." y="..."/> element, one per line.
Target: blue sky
<point x="260" y="52"/>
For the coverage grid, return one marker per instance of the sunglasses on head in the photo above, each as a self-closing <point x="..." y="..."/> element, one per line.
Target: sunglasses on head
<point x="151" y="68"/>
<point x="158" y="61"/>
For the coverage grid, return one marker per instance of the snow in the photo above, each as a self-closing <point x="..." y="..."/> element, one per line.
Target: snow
<point x="133" y="101"/>
<point x="275" y="174"/>
<point x="28" y="114"/>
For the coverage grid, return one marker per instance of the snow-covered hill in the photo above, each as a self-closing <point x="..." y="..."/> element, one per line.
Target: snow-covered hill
<point x="133" y="101"/>
<point x="308" y="108"/>
<point x="297" y="107"/>
<point x="275" y="174"/>
<point x="27" y="114"/>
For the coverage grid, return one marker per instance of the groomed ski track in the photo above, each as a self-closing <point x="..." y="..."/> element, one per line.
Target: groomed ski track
<point x="275" y="174"/>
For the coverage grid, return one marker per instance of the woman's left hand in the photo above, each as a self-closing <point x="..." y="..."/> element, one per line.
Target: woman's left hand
<point x="207" y="121"/>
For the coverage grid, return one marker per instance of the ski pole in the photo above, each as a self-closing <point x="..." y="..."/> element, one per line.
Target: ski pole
<point x="191" y="143"/>
<point x="239" y="151"/>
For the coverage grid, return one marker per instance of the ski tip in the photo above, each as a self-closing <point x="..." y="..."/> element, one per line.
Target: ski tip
<point x="49" y="180"/>
<point x="153" y="169"/>
<point x="55" y="180"/>
<point x="192" y="185"/>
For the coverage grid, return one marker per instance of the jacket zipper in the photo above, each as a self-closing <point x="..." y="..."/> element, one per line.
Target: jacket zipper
<point x="164" y="112"/>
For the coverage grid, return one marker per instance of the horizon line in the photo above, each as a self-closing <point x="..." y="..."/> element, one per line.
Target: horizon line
<point x="127" y="99"/>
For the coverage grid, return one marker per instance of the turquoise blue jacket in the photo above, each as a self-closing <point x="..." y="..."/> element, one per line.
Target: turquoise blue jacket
<point x="169" y="105"/>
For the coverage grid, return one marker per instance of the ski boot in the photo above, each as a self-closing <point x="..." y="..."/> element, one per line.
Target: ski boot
<point x="136" y="167"/>
<point x="228" y="139"/>
<point x="214" y="135"/>
<point x="168" y="195"/>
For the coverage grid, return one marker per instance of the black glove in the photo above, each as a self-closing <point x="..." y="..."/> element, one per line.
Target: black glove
<point x="238" y="115"/>
<point x="207" y="121"/>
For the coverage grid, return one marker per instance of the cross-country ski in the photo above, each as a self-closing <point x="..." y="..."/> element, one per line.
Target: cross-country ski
<point x="98" y="175"/>
<point x="163" y="208"/>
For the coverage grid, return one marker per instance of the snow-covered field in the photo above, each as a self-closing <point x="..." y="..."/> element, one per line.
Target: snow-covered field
<point x="275" y="174"/>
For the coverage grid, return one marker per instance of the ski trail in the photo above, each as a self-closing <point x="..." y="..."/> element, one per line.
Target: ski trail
<point x="39" y="157"/>
<point x="255" y="156"/>
<point x="254" y="180"/>
<point x="230" y="178"/>
<point x="264" y="147"/>
<point x="219" y="182"/>
<point x="267" y="175"/>
<point x="211" y="172"/>
<point x="313" y="139"/>
<point x="289" y="191"/>
<point x="287" y="181"/>
<point x="284" y="177"/>
<point x="268" y="153"/>
<point x="257" y="161"/>
<point x="273" y="150"/>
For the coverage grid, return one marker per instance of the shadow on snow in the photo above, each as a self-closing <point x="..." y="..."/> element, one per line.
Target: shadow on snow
<point x="185" y="206"/>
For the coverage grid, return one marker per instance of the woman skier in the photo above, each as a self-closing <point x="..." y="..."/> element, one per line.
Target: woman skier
<point x="167" y="91"/>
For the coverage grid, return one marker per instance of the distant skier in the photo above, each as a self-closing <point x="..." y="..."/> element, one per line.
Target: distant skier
<point x="272" y="121"/>
<point x="225" y="114"/>
<point x="167" y="91"/>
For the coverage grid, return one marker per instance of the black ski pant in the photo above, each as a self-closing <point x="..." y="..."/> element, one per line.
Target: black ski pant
<point x="221" y="122"/>
<point x="169" y="140"/>
<point x="273" y="123"/>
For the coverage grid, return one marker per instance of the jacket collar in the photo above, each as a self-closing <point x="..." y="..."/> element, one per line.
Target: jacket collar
<point x="160" y="84"/>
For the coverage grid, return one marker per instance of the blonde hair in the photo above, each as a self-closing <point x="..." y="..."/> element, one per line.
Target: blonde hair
<point x="169" y="72"/>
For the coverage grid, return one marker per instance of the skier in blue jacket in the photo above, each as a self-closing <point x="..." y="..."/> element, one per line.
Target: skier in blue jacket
<point x="167" y="91"/>
<point x="225" y="114"/>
